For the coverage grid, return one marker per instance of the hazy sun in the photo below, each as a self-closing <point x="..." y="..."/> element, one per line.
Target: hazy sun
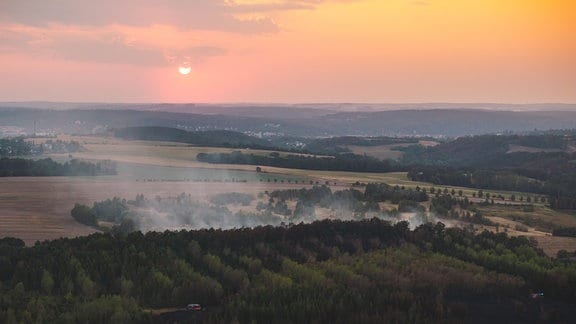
<point x="184" y="70"/>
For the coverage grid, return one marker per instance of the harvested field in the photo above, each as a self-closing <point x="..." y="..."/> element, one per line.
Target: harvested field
<point x="548" y="243"/>
<point x="541" y="217"/>
<point x="39" y="208"/>
<point x="552" y="244"/>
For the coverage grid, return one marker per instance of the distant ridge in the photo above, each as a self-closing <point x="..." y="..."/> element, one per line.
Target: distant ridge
<point x="286" y="121"/>
<point x="215" y="138"/>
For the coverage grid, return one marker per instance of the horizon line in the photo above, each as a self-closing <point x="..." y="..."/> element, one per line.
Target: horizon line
<point x="287" y="103"/>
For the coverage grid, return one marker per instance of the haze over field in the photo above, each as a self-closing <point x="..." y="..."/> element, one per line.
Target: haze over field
<point x="288" y="51"/>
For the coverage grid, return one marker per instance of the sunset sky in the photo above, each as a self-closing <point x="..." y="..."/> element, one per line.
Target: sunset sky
<point x="513" y="51"/>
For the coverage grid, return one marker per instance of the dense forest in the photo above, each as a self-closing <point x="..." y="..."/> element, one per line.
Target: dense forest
<point x="331" y="271"/>
<point x="16" y="167"/>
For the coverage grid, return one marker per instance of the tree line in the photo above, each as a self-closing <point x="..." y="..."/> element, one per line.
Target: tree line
<point x="17" y="167"/>
<point x="342" y="162"/>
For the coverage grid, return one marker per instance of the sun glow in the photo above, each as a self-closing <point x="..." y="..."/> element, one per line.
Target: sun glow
<point x="184" y="70"/>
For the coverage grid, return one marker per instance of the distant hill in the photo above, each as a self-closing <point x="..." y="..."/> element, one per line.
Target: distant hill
<point x="277" y="121"/>
<point x="216" y="138"/>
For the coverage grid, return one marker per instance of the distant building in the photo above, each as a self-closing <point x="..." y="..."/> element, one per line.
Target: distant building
<point x="12" y="131"/>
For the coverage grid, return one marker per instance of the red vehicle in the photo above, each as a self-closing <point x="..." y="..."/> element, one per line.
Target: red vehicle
<point x="193" y="307"/>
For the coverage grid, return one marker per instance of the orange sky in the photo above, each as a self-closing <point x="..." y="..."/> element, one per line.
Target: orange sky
<point x="519" y="51"/>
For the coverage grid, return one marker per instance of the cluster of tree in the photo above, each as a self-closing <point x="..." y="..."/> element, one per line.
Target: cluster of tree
<point x="84" y="214"/>
<point x="331" y="271"/>
<point x="442" y="204"/>
<point x="115" y="211"/>
<point x="17" y="167"/>
<point x="159" y="214"/>
<point x="343" y="162"/>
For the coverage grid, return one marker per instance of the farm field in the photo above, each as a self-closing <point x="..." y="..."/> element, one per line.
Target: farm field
<point x="39" y="208"/>
<point x="541" y="217"/>
<point x="146" y="154"/>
